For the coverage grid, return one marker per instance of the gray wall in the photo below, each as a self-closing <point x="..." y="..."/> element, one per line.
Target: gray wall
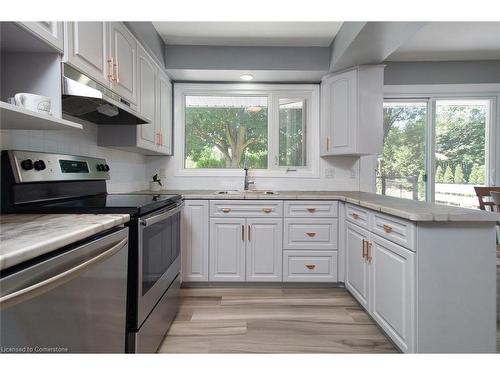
<point x="148" y="36"/>
<point x="241" y="58"/>
<point x="442" y="72"/>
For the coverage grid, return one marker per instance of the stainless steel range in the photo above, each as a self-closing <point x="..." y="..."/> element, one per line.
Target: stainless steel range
<point x="34" y="182"/>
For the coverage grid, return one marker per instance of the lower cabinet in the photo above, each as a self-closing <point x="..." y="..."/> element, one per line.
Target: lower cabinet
<point x="245" y="249"/>
<point x="381" y="276"/>
<point x="227" y="249"/>
<point x="194" y="241"/>
<point x="357" y="270"/>
<point x="392" y="290"/>
<point x="264" y="249"/>
<point x="310" y="266"/>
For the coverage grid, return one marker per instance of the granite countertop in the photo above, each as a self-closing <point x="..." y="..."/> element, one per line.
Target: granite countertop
<point x="403" y="208"/>
<point x="26" y="236"/>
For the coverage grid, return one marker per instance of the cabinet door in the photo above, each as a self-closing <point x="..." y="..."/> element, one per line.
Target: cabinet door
<point x="164" y="116"/>
<point x="50" y="31"/>
<point x="392" y="290"/>
<point x="194" y="229"/>
<point x="124" y="54"/>
<point x="357" y="268"/>
<point x="86" y="49"/>
<point x="148" y="81"/>
<point x="264" y="251"/>
<point x="227" y="249"/>
<point x="339" y="116"/>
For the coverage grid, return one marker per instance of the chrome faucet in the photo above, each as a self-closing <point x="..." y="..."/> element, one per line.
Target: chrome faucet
<point x="247" y="182"/>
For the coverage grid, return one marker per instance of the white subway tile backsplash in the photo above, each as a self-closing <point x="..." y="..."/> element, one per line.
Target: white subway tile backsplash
<point x="128" y="172"/>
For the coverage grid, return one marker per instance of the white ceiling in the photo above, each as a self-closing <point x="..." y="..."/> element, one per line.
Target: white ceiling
<point x="289" y="34"/>
<point x="444" y="41"/>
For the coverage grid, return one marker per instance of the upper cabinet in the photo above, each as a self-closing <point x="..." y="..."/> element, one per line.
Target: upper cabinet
<point x="87" y="49"/>
<point x="49" y="31"/>
<point x="352" y="111"/>
<point x="148" y="83"/>
<point x="164" y="108"/>
<point x="106" y="52"/>
<point x="123" y="54"/>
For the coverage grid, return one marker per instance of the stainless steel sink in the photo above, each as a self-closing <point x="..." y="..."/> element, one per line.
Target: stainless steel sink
<point x="236" y="192"/>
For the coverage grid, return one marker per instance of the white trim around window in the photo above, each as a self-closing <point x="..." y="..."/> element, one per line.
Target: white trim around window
<point x="310" y="94"/>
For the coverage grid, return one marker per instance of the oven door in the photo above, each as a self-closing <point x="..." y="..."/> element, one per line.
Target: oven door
<point x="159" y="257"/>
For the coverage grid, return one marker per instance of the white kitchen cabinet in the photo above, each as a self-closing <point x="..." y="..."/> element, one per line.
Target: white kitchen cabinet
<point x="148" y="89"/>
<point x="194" y="243"/>
<point x="352" y="112"/>
<point x="87" y="49"/>
<point x="264" y="250"/>
<point x="164" y="113"/>
<point x="123" y="48"/>
<point x="227" y="249"/>
<point x="310" y="266"/>
<point x="357" y="267"/>
<point x="49" y="31"/>
<point x="392" y="290"/>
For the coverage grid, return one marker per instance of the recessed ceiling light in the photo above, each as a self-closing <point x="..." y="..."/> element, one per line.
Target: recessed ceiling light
<point x="246" y="77"/>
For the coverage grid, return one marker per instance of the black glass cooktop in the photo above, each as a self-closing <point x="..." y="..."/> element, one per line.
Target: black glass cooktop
<point x="132" y="204"/>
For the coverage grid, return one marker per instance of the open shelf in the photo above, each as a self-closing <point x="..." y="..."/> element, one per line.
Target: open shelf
<point x="13" y="117"/>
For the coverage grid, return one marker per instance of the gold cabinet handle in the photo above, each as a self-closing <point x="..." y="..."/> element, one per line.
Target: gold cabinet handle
<point x="226" y="210"/>
<point x="364" y="251"/>
<point x="117" y="70"/>
<point x="387" y="228"/>
<point x="311" y="266"/>
<point x="368" y="251"/>
<point x="267" y="210"/>
<point x="249" y="231"/>
<point x="242" y="232"/>
<point x="311" y="210"/>
<point x="327" y="143"/>
<point x="110" y="69"/>
<point x="355" y="216"/>
<point x="311" y="234"/>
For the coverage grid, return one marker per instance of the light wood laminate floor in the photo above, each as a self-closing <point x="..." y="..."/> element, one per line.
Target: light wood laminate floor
<point x="272" y="320"/>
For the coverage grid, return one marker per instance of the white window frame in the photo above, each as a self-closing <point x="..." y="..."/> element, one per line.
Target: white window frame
<point x="433" y="93"/>
<point x="310" y="92"/>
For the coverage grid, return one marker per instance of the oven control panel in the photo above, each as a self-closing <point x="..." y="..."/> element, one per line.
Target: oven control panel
<point x="33" y="166"/>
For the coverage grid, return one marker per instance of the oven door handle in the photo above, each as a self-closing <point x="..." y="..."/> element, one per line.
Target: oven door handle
<point x="161" y="216"/>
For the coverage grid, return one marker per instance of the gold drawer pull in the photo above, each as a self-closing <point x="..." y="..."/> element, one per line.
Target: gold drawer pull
<point x="355" y="216"/>
<point x="311" y="266"/>
<point x="387" y="228"/>
<point x="267" y="210"/>
<point x="311" y="210"/>
<point x="226" y="210"/>
<point x="311" y="234"/>
<point x="365" y="249"/>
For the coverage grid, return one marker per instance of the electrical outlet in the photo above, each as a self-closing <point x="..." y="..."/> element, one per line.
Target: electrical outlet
<point x="330" y="172"/>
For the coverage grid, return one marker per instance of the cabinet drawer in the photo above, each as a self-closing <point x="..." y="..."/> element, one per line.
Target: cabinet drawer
<point x="396" y="230"/>
<point x="236" y="208"/>
<point x="312" y="234"/>
<point x="310" y="266"/>
<point x="357" y="215"/>
<point x="311" y="209"/>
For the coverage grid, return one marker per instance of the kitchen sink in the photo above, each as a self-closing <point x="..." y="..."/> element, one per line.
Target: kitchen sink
<point x="235" y="192"/>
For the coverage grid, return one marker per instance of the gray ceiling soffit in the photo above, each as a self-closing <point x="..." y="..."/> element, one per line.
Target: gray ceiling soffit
<point x="189" y="57"/>
<point x="359" y="43"/>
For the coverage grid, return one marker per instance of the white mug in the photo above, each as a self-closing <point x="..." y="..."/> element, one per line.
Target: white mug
<point x="33" y="102"/>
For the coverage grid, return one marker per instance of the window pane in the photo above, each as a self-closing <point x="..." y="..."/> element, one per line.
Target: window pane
<point x="460" y="150"/>
<point x="292" y="147"/>
<point x="220" y="129"/>
<point x="401" y="168"/>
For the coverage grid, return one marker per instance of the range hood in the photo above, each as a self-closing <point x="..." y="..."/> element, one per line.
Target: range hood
<point x="85" y="99"/>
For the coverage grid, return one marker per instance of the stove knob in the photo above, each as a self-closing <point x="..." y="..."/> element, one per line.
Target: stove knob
<point x="39" y="165"/>
<point x="106" y="167"/>
<point x="99" y="167"/>
<point x="27" y="164"/>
